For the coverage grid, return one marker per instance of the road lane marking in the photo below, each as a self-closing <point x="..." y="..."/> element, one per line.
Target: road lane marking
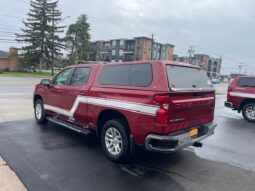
<point x="18" y="82"/>
<point x="17" y="93"/>
<point x="229" y="116"/>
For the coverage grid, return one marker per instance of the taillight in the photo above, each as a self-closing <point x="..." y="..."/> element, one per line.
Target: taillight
<point x="162" y="115"/>
<point x="228" y="93"/>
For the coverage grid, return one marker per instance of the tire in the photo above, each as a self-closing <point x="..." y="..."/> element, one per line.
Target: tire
<point x="115" y="140"/>
<point x="248" y="112"/>
<point x="39" y="112"/>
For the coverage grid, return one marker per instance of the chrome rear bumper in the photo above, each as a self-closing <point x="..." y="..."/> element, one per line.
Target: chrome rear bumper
<point x="228" y="104"/>
<point x="178" y="140"/>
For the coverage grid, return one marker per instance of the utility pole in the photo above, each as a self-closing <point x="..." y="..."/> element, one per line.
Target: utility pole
<point x="240" y="68"/>
<point x="53" y="31"/>
<point x="245" y="68"/>
<point x="191" y="51"/>
<point x="152" y="45"/>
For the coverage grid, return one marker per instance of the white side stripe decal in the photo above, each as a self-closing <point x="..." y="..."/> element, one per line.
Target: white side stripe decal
<point x="238" y="94"/>
<point x="129" y="106"/>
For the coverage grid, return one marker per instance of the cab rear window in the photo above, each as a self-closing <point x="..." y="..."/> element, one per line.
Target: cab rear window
<point x="138" y="75"/>
<point x="246" y="82"/>
<point x="180" y="77"/>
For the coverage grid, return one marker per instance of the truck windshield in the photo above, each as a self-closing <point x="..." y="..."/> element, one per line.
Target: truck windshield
<point x="185" y="78"/>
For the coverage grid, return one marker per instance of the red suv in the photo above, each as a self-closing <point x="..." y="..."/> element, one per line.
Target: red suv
<point x="241" y="96"/>
<point x="162" y="106"/>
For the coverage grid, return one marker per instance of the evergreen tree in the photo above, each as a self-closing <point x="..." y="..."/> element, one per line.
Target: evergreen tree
<point x="41" y="33"/>
<point x="78" y="40"/>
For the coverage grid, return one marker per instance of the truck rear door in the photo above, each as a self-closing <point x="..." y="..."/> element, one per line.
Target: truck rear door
<point x="192" y="97"/>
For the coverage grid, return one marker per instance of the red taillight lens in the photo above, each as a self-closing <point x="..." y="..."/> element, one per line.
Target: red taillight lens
<point x="162" y="115"/>
<point x="228" y="93"/>
<point x="161" y="99"/>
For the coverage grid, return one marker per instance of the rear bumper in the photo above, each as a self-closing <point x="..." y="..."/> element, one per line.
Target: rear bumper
<point x="228" y="104"/>
<point x="179" y="140"/>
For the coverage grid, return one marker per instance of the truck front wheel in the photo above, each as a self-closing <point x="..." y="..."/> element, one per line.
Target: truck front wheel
<point x="248" y="112"/>
<point x="114" y="140"/>
<point x="39" y="112"/>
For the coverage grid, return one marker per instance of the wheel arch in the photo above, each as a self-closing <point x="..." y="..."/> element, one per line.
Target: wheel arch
<point x="109" y="114"/>
<point x="36" y="97"/>
<point x="244" y="102"/>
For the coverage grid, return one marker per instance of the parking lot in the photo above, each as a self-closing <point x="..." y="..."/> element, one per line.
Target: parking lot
<point x="51" y="157"/>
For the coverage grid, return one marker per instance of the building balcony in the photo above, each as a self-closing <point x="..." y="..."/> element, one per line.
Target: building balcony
<point x="128" y="51"/>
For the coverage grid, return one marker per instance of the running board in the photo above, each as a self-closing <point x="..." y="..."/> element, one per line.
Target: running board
<point x="70" y="126"/>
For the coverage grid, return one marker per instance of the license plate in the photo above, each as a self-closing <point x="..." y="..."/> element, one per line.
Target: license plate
<point x="193" y="132"/>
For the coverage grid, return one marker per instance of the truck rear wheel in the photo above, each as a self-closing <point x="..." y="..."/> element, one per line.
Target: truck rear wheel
<point x="248" y="112"/>
<point x="39" y="112"/>
<point x="114" y="140"/>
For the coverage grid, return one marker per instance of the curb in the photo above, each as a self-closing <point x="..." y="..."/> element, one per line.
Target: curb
<point x="9" y="181"/>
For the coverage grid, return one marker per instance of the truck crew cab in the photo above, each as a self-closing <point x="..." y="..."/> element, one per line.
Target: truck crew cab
<point x="241" y="96"/>
<point x="161" y="105"/>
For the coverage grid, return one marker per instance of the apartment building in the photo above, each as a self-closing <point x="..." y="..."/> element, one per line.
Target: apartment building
<point x="178" y="58"/>
<point x="214" y="67"/>
<point x="210" y="64"/>
<point x="139" y="48"/>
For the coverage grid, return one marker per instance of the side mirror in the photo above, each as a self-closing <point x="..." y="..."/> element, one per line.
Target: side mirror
<point x="45" y="82"/>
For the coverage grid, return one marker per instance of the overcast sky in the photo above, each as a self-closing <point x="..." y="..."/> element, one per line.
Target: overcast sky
<point x="214" y="27"/>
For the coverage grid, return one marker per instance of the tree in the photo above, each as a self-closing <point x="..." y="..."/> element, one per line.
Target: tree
<point x="78" y="40"/>
<point x="40" y="33"/>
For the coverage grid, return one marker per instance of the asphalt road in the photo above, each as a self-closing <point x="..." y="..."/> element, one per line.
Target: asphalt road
<point x="13" y="88"/>
<point x="50" y="157"/>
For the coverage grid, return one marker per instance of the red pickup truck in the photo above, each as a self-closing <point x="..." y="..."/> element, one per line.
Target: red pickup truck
<point x="162" y="106"/>
<point x="241" y="96"/>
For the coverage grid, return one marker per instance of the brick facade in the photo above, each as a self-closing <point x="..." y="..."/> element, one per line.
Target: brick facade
<point x="9" y="61"/>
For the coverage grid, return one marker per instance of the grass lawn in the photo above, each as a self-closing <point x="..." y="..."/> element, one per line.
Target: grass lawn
<point x="26" y="74"/>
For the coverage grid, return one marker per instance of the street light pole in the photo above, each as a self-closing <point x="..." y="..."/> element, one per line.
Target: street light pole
<point x="53" y="35"/>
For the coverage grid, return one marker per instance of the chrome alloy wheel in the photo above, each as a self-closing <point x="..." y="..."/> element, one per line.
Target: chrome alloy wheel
<point x="38" y="111"/>
<point x="250" y="112"/>
<point x="113" y="141"/>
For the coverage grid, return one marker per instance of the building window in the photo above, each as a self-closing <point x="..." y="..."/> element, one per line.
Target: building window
<point x="114" y="43"/>
<point x="121" y="42"/>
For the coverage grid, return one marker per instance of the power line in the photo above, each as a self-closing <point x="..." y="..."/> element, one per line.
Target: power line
<point x="7" y="35"/>
<point x="8" y="26"/>
<point x="6" y="39"/>
<point x="7" y="32"/>
<point x="11" y="16"/>
<point x="117" y="24"/>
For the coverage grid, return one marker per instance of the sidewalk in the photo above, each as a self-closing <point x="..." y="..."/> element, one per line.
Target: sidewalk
<point x="16" y="104"/>
<point x="15" y="109"/>
<point x="8" y="179"/>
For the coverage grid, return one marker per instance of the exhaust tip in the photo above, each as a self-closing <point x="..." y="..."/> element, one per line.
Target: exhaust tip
<point x="198" y="144"/>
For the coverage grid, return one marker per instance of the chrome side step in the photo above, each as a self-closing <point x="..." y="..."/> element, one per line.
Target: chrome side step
<point x="70" y="126"/>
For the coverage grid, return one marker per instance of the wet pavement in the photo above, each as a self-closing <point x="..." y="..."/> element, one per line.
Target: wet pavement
<point x="54" y="158"/>
<point x="234" y="140"/>
<point x="50" y="157"/>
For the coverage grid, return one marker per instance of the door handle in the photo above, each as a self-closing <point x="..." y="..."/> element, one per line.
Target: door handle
<point x="59" y="91"/>
<point x="81" y="92"/>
